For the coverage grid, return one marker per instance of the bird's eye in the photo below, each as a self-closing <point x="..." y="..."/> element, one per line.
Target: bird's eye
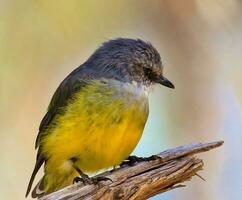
<point x="149" y="72"/>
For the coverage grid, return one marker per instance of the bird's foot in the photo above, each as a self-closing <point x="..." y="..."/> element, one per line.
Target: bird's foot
<point x="86" y="180"/>
<point x="131" y="160"/>
<point x="97" y="179"/>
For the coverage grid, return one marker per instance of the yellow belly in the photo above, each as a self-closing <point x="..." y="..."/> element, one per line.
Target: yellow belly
<point x="98" y="130"/>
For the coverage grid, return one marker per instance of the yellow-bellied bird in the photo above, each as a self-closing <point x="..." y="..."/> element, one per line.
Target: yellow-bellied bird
<point x="97" y="115"/>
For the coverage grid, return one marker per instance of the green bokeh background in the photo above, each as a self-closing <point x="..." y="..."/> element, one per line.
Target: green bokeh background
<point x="200" y="44"/>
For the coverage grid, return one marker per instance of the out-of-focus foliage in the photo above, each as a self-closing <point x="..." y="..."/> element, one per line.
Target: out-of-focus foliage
<point x="200" y="43"/>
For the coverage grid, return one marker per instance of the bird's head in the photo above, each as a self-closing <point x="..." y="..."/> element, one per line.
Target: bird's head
<point x="130" y="60"/>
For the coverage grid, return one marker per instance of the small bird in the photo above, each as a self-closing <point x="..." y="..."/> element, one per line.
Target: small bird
<point x="97" y="114"/>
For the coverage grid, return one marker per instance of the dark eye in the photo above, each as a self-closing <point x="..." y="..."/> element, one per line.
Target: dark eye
<point x="149" y="73"/>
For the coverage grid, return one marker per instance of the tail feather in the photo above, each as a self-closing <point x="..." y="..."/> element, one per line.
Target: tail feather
<point x="38" y="164"/>
<point x="38" y="190"/>
<point x="54" y="179"/>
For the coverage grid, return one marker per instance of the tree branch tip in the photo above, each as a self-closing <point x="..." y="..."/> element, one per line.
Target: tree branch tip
<point x="198" y="175"/>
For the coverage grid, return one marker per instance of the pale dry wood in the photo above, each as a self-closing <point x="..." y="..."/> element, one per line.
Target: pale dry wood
<point x="144" y="179"/>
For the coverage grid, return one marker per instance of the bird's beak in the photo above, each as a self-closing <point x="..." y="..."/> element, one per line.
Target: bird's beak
<point x="164" y="81"/>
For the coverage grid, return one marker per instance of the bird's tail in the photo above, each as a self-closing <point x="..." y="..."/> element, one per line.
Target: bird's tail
<point x="38" y="190"/>
<point x="38" y="164"/>
<point x="52" y="182"/>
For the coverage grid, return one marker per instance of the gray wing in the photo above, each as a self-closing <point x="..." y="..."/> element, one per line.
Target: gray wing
<point x="69" y="86"/>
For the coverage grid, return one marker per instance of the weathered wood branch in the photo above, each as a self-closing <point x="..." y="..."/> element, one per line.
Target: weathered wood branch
<point x="144" y="179"/>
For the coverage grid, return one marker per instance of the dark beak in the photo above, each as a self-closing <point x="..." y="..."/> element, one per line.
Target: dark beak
<point x="164" y="81"/>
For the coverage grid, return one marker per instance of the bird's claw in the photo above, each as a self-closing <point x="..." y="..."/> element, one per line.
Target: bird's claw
<point x="86" y="180"/>
<point x="135" y="159"/>
<point x="97" y="179"/>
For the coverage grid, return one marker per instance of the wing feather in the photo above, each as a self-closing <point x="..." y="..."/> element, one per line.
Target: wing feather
<point x="69" y="86"/>
<point x="73" y="83"/>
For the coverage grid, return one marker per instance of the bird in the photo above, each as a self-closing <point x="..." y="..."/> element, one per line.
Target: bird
<point x="97" y="115"/>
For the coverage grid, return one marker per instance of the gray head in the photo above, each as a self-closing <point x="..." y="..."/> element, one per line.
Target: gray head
<point x="129" y="60"/>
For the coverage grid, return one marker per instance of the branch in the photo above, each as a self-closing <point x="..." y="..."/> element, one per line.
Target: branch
<point x="144" y="179"/>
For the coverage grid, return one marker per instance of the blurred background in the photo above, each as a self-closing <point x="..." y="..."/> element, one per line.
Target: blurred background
<point x="200" y="42"/>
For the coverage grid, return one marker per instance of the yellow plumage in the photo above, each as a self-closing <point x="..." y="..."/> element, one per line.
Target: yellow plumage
<point x="97" y="114"/>
<point x="100" y="128"/>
